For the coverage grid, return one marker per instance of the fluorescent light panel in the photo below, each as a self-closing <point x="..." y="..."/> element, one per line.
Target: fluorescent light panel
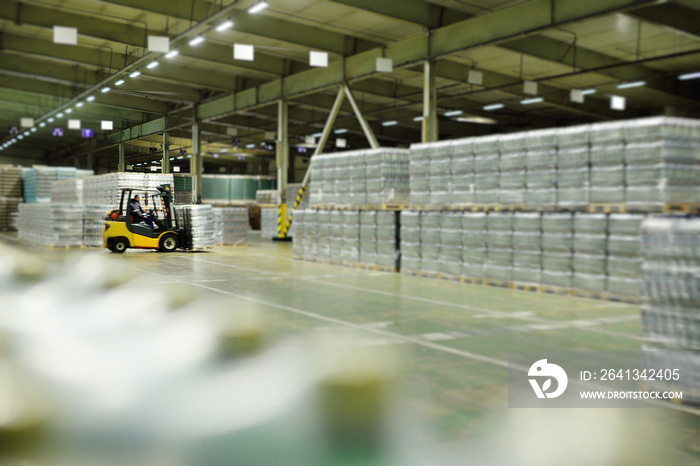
<point x="390" y="123"/>
<point x="632" y="84"/>
<point x="534" y="100"/>
<point x="588" y="91"/>
<point x="689" y="76"/>
<point x="119" y="83"/>
<point x="223" y="26"/>
<point x="91" y="98"/>
<point x="196" y="41"/>
<point x="257" y="7"/>
<point x="493" y="107"/>
<point x="79" y="104"/>
<point x="152" y="65"/>
<point x="453" y="113"/>
<point x="418" y="118"/>
<point x="135" y="74"/>
<point x="105" y="90"/>
<point x="171" y="54"/>
<point x="341" y="131"/>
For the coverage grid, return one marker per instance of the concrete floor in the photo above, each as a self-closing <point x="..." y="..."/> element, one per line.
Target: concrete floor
<point x="454" y="339"/>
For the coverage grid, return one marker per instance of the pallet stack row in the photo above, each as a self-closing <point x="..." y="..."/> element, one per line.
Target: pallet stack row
<point x="359" y="178"/>
<point x="10" y="196"/>
<point x="348" y="237"/>
<point x="642" y="165"/>
<point x="37" y="181"/>
<point x="49" y="224"/>
<point x="582" y="251"/>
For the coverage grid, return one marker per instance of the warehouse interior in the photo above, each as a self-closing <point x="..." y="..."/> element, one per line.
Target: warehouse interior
<point x="520" y="178"/>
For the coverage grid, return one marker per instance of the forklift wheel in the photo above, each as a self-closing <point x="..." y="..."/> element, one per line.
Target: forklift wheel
<point x="119" y="246"/>
<point x="168" y="242"/>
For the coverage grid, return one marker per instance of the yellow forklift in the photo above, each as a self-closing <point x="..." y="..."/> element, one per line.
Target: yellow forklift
<point x="122" y="232"/>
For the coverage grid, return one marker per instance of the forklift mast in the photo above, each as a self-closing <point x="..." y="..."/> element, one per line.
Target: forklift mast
<point x="166" y="199"/>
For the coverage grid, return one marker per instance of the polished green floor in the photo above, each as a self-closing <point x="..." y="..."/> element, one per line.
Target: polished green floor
<point x="453" y="338"/>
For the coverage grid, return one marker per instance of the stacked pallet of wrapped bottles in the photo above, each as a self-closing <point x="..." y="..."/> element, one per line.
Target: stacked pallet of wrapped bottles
<point x="198" y="221"/>
<point x="641" y="164"/>
<point x="357" y="178"/>
<point x="94" y="223"/>
<point x="671" y="292"/>
<point x="231" y="225"/>
<point x="107" y="189"/>
<point x="579" y="251"/>
<point x="38" y="181"/>
<point x="50" y="224"/>
<point x="348" y="237"/>
<point x="67" y="191"/>
<point x="266" y="197"/>
<point x="10" y="195"/>
<point x="268" y="222"/>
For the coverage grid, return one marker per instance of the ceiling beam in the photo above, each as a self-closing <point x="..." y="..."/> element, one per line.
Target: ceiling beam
<point x="674" y="15"/>
<point x="285" y="30"/>
<point x="413" y="11"/>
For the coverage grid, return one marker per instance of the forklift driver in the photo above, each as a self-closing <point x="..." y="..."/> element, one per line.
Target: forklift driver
<point x="138" y="214"/>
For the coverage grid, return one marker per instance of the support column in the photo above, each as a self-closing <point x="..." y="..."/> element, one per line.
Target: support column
<point x="282" y="167"/>
<point x="369" y="134"/>
<point x="430" y="122"/>
<point x="166" y="153"/>
<point x="121" y="165"/>
<point x="90" y="162"/>
<point x="196" y="165"/>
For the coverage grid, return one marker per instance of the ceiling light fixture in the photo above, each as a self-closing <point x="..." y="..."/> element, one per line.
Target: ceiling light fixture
<point x="453" y="113"/>
<point x="341" y="131"/>
<point x="418" y="118"/>
<point x="196" y="41"/>
<point x="491" y="107"/>
<point x="223" y="26"/>
<point x="91" y="98"/>
<point x="33" y="130"/>
<point x="478" y="120"/>
<point x="688" y="76"/>
<point x="250" y="146"/>
<point x="135" y="74"/>
<point x="50" y="120"/>
<point x="59" y="115"/>
<point x="534" y="100"/>
<point x="119" y="83"/>
<point x="260" y="6"/>
<point x="152" y="65"/>
<point x="79" y="104"/>
<point x="42" y="124"/>
<point x="26" y="133"/>
<point x="171" y="54"/>
<point x="390" y="123"/>
<point x="105" y="90"/>
<point x="631" y="84"/>
<point x="69" y="110"/>
<point x="588" y="91"/>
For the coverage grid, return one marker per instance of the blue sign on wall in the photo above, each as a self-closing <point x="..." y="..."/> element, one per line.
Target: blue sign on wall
<point x="57" y="132"/>
<point x="88" y="133"/>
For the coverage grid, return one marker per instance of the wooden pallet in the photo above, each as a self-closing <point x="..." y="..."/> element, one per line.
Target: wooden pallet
<point x="509" y="208"/>
<point x="607" y="208"/>
<point x="680" y="208"/>
<point x="555" y="290"/>
<point x="234" y="245"/>
<point x="526" y="287"/>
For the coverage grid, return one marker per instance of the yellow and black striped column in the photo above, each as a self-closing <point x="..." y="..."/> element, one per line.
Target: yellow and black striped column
<point x="282" y="227"/>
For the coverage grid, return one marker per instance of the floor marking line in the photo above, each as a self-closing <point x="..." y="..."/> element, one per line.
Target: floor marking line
<point x="499" y="314"/>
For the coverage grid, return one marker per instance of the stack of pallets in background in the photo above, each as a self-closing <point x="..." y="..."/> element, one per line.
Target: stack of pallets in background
<point x="231" y="225"/>
<point x="10" y="196"/>
<point x="50" y="224"/>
